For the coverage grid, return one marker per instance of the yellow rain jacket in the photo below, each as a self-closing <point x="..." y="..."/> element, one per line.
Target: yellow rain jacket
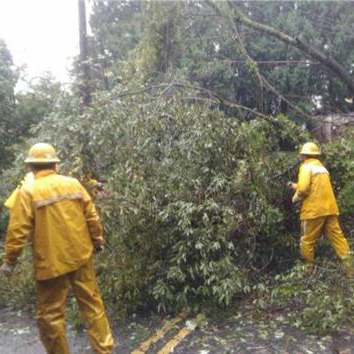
<point x="27" y="181"/>
<point x="314" y="190"/>
<point x="58" y="247"/>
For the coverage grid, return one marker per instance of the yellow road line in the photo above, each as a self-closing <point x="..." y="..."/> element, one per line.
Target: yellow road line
<point x="144" y="346"/>
<point x="172" y="344"/>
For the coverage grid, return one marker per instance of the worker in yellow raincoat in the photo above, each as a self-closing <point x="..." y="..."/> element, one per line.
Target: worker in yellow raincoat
<point x="57" y="213"/>
<point x="95" y="187"/>
<point x="319" y="211"/>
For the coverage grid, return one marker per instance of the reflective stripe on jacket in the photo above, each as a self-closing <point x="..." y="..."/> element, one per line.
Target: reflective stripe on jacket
<point x="59" y="214"/>
<point x="315" y="191"/>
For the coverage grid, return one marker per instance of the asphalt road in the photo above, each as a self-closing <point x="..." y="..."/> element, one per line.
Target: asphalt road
<point x="183" y="334"/>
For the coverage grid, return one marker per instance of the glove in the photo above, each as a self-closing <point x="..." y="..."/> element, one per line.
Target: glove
<point x="291" y="185"/>
<point x="296" y="198"/>
<point x="99" y="248"/>
<point x="6" y="269"/>
<point x="99" y="186"/>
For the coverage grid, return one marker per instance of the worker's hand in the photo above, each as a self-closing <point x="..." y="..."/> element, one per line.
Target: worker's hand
<point x="296" y="198"/>
<point x="290" y="185"/>
<point x="99" y="248"/>
<point x="6" y="269"/>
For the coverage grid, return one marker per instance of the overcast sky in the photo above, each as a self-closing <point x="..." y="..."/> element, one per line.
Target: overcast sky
<point x="43" y="34"/>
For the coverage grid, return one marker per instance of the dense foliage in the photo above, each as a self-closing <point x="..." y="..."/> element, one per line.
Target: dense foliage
<point x="191" y="206"/>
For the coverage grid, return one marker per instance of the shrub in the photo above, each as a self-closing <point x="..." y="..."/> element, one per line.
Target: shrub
<point x="193" y="206"/>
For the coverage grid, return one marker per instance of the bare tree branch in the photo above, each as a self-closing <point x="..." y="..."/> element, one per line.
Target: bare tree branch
<point x="212" y="96"/>
<point x="297" y="109"/>
<point x="270" y="62"/>
<point x="253" y="63"/>
<point x="253" y="66"/>
<point x="299" y="43"/>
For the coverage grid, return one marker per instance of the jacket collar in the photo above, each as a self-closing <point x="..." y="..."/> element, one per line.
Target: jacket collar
<point x="44" y="173"/>
<point x="309" y="160"/>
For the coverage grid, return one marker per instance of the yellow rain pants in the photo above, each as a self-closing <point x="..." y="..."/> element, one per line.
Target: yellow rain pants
<point x="51" y="297"/>
<point x="312" y="229"/>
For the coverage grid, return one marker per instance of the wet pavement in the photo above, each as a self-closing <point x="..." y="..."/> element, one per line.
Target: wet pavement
<point x="19" y="335"/>
<point x="239" y="333"/>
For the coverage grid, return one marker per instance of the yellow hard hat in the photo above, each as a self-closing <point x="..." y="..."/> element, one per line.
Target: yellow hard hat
<point x="42" y="153"/>
<point x="310" y="149"/>
<point x="91" y="182"/>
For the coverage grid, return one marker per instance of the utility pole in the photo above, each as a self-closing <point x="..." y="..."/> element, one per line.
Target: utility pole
<point x="84" y="66"/>
<point x="87" y="157"/>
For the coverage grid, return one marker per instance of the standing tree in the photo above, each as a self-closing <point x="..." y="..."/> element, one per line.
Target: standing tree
<point x="8" y="125"/>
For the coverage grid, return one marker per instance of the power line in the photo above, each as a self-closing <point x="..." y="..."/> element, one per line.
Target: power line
<point x="315" y="20"/>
